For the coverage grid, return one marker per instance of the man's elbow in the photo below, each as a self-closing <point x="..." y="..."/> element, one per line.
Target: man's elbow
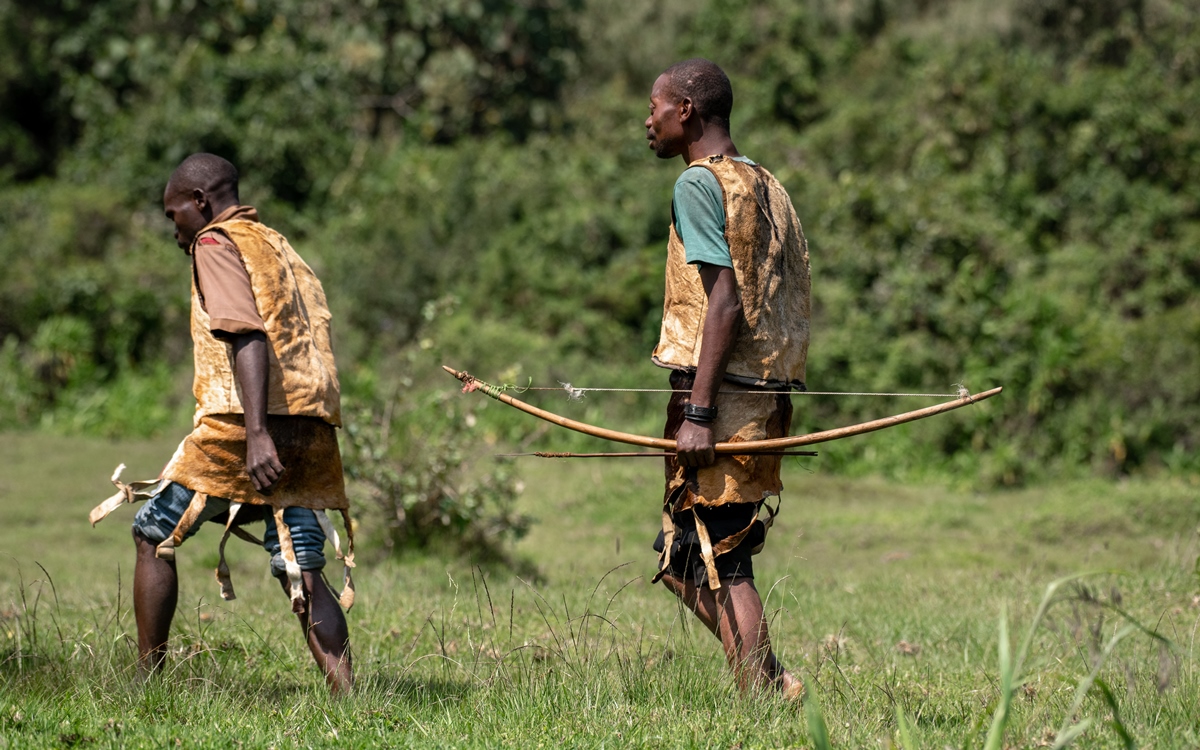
<point x="731" y="310"/>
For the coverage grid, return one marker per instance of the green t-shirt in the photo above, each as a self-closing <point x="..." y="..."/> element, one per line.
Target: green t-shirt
<point x="699" y="210"/>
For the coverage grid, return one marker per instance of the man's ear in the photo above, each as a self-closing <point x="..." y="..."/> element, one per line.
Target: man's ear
<point x="686" y="109"/>
<point x="200" y="198"/>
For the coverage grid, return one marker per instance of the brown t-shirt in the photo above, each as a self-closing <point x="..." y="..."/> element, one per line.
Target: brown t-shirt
<point x="224" y="284"/>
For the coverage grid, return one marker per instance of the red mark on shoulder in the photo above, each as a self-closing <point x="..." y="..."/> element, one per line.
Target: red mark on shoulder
<point x="208" y="241"/>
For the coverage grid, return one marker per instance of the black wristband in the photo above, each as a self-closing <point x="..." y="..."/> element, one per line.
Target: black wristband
<point x="701" y="414"/>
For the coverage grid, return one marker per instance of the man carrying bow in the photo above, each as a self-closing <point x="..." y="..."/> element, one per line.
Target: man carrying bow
<point x="735" y="318"/>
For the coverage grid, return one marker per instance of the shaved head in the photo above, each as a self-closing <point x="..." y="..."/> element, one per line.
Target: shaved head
<point x="200" y="188"/>
<point x="207" y="172"/>
<point x="706" y="85"/>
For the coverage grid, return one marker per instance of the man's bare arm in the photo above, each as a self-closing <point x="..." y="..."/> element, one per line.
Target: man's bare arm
<point x="250" y="360"/>
<point x="721" y="322"/>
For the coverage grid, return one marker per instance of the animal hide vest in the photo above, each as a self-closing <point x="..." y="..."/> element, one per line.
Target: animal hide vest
<point x="302" y="376"/>
<point x="770" y="262"/>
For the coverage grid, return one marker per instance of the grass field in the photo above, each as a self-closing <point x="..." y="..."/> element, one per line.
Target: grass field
<point x="887" y="599"/>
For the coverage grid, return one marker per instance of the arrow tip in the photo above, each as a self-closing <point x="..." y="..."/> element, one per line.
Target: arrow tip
<point x="463" y="376"/>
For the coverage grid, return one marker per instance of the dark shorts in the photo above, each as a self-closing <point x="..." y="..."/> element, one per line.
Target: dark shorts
<point x="722" y="521"/>
<point x="157" y="518"/>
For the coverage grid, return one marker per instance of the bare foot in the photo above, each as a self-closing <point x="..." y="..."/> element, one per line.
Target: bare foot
<point x="790" y="688"/>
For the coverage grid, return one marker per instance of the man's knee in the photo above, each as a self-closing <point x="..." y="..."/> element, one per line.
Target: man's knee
<point x="308" y="542"/>
<point x="157" y="518"/>
<point x="145" y="547"/>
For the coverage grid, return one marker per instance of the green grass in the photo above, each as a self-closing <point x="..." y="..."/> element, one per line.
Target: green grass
<point x="886" y="599"/>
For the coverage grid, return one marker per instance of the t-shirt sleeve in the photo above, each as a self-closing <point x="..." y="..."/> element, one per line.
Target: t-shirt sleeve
<point x="699" y="208"/>
<point x="225" y="287"/>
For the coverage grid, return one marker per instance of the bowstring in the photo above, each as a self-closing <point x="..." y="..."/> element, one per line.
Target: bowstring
<point x="576" y="393"/>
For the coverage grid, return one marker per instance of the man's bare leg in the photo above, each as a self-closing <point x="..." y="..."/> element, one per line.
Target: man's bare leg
<point x="155" y="594"/>
<point x="325" y="629"/>
<point x="743" y="633"/>
<point x="734" y="615"/>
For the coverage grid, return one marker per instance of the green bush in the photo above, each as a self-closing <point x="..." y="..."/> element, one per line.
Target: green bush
<point x="407" y="460"/>
<point x="994" y="193"/>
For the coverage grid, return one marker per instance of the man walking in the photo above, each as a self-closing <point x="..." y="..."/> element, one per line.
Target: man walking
<point x="264" y="443"/>
<point x="735" y="319"/>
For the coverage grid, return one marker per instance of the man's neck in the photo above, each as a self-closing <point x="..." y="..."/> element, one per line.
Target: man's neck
<point x="219" y="208"/>
<point x="710" y="142"/>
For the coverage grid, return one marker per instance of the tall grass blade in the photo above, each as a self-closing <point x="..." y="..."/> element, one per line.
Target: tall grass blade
<point x="817" y="730"/>
<point x="995" y="735"/>
<point x="1043" y="606"/>
<point x="1085" y="684"/>
<point x="1012" y="671"/>
<point x="1067" y="736"/>
<point x="1116" y="723"/>
<point x="905" y="728"/>
<point x="57" y="606"/>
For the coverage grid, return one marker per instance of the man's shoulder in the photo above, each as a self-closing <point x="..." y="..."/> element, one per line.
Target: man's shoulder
<point x="213" y="240"/>
<point x="700" y="177"/>
<point x="752" y="171"/>
<point x="214" y="237"/>
<point x="247" y="234"/>
<point x="242" y="224"/>
<point x="707" y="172"/>
<point x="693" y="173"/>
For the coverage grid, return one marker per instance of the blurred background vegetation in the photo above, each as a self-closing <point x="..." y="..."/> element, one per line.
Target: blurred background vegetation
<point x="995" y="192"/>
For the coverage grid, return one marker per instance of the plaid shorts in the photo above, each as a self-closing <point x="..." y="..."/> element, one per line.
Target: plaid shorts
<point x="158" y="516"/>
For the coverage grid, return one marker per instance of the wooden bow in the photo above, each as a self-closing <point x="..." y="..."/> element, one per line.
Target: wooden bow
<point x="471" y="383"/>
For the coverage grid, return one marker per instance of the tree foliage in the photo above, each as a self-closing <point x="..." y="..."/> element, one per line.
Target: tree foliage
<point x="994" y="193"/>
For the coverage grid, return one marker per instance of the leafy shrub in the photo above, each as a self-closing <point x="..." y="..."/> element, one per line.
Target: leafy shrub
<point x="1008" y="201"/>
<point x="409" y="461"/>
